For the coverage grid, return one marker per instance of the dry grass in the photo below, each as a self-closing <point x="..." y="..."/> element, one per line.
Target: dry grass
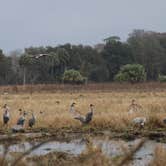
<point x="128" y="157"/>
<point x="91" y="156"/>
<point x="119" y="87"/>
<point x="111" y="108"/>
<point x="159" y="157"/>
<point x="111" y="111"/>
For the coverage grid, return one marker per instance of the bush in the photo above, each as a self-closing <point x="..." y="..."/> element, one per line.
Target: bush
<point x="162" y="78"/>
<point x="73" y="77"/>
<point x="133" y="73"/>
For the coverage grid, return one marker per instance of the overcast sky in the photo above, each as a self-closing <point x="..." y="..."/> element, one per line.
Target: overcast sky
<point x="25" y="23"/>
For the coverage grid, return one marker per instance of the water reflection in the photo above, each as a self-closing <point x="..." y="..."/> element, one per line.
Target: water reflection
<point x="111" y="148"/>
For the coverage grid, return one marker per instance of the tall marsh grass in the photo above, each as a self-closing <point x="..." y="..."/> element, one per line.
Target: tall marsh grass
<point x="111" y="108"/>
<point x="159" y="157"/>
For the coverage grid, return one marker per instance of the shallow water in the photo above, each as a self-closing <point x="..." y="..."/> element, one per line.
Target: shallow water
<point x="111" y="148"/>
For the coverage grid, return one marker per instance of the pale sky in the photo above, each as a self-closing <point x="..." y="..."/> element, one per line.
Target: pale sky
<point x="25" y="23"/>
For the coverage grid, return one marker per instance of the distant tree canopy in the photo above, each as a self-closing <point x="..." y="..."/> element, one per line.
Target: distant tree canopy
<point x="101" y="63"/>
<point x="148" y="51"/>
<point x="133" y="73"/>
<point x="112" y="39"/>
<point x="73" y="76"/>
<point x="7" y="75"/>
<point x="162" y="78"/>
<point x="115" y="55"/>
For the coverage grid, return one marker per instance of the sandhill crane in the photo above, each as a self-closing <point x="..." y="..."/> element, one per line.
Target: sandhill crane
<point x="72" y="110"/>
<point x="6" y="114"/>
<point x="134" y="107"/>
<point x="164" y="121"/>
<point x="32" y="121"/>
<point x="21" y="120"/>
<point x="88" y="117"/>
<point x="139" y="121"/>
<point x="40" y="55"/>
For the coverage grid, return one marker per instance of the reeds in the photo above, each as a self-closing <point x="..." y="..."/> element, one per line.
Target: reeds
<point x="91" y="156"/>
<point x="93" y="87"/>
<point x="111" y="108"/>
<point x="111" y="112"/>
<point x="159" y="156"/>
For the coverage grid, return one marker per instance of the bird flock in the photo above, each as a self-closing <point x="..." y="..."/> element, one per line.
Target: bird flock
<point x="20" y="121"/>
<point x="83" y="119"/>
<point x="133" y="108"/>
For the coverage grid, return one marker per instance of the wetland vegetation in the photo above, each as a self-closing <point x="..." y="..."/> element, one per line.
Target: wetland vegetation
<point x="58" y="138"/>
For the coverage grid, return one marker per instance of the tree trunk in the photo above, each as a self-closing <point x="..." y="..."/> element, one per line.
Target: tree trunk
<point x="24" y="76"/>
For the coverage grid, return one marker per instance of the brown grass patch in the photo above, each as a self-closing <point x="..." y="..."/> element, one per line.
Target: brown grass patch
<point x="159" y="157"/>
<point x="111" y="108"/>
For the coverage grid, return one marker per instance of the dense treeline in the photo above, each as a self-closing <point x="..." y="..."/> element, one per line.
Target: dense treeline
<point x="100" y="63"/>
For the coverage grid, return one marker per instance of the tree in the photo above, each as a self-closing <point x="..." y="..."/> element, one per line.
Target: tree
<point x="63" y="58"/>
<point x="148" y="51"/>
<point x="162" y="39"/>
<point x="27" y="63"/>
<point x="35" y="50"/>
<point x="115" y="55"/>
<point x="17" y="71"/>
<point x="99" y="74"/>
<point x="99" y="63"/>
<point x="162" y="78"/>
<point x="112" y="39"/>
<point x="73" y="76"/>
<point x="6" y="73"/>
<point x="1" y="55"/>
<point x="133" y="73"/>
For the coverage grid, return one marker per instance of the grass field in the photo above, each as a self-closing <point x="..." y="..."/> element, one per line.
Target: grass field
<point x="111" y="103"/>
<point x="111" y="106"/>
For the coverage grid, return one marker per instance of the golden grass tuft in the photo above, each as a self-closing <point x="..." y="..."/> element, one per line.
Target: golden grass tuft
<point x="111" y="108"/>
<point x="159" y="156"/>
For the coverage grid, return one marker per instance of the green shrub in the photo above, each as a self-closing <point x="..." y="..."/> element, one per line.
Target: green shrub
<point x="162" y="78"/>
<point x="73" y="77"/>
<point x="131" y="73"/>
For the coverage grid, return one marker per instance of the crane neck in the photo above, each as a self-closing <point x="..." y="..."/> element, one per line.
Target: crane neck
<point x="33" y="116"/>
<point x="71" y="108"/>
<point x="91" y="109"/>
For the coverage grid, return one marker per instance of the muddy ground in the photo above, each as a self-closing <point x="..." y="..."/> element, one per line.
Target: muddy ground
<point x="43" y="136"/>
<point x="66" y="134"/>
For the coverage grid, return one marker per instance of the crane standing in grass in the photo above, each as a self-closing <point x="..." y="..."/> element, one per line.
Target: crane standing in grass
<point x="6" y="115"/>
<point x="139" y="121"/>
<point x="32" y="120"/>
<point x="74" y="112"/>
<point x="164" y="120"/>
<point x="88" y="117"/>
<point x="134" y="107"/>
<point x="21" y="120"/>
<point x="19" y="127"/>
